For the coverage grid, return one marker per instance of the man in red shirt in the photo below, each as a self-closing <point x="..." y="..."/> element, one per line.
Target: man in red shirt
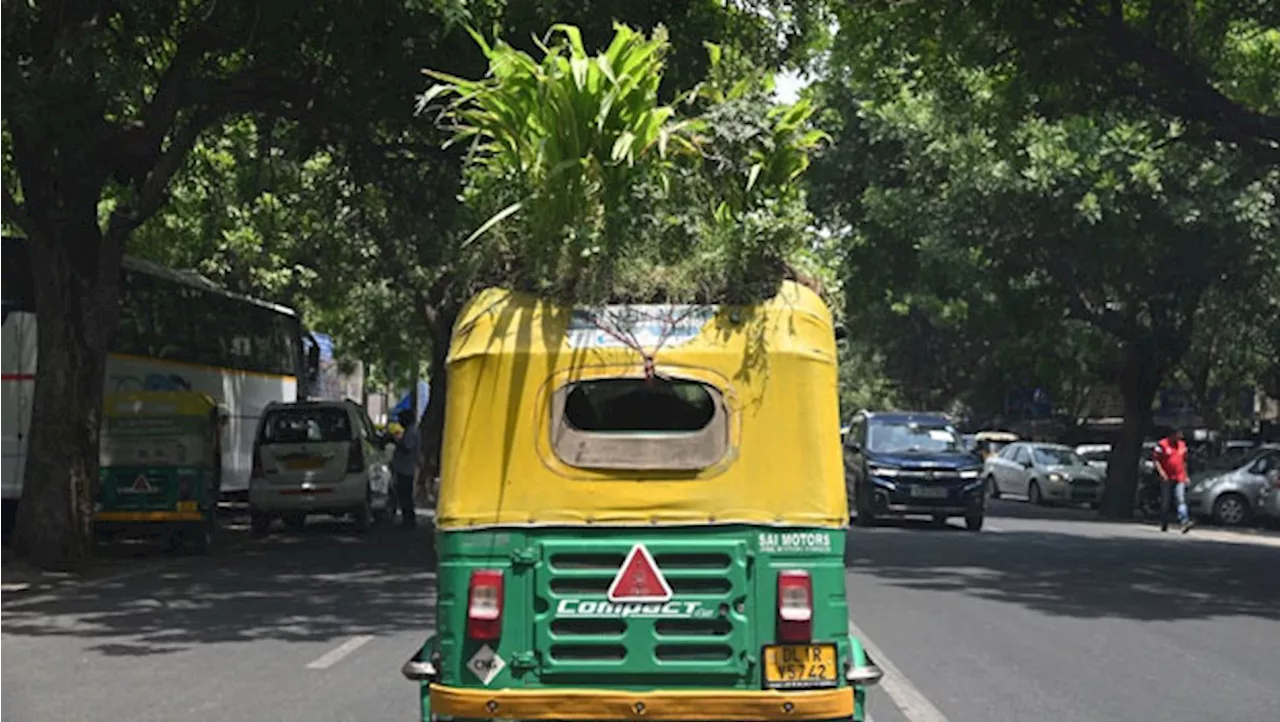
<point x="1170" y="456"/>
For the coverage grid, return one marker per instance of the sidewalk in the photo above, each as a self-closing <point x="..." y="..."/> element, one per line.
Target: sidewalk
<point x="1261" y="537"/>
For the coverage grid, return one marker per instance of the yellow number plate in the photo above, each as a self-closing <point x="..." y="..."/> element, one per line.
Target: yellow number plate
<point x="309" y="463"/>
<point x="800" y="666"/>
<point x="188" y="506"/>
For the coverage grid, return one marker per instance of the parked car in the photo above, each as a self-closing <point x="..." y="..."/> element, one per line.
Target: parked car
<point x="987" y="443"/>
<point x="1269" y="499"/>
<point x="319" y="457"/>
<point x="1044" y="473"/>
<point x="1097" y="456"/>
<point x="1232" y="498"/>
<point x="900" y="463"/>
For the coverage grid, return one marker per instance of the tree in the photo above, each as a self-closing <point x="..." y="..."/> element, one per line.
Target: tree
<point x="1211" y="64"/>
<point x="1089" y="218"/>
<point x="102" y="105"/>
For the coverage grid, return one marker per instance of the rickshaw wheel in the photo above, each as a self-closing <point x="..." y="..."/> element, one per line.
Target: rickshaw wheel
<point x="259" y="524"/>
<point x="201" y="536"/>
<point x="387" y="514"/>
<point x="363" y="516"/>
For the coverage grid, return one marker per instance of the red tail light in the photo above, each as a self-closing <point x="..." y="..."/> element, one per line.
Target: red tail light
<point x="257" y="473"/>
<point x="795" y="606"/>
<point x="355" y="459"/>
<point x="484" y="605"/>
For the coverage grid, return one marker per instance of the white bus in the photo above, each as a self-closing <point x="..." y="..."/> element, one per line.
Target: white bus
<point x="176" y="331"/>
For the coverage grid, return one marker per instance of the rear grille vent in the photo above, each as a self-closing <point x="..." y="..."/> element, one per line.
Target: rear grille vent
<point x="583" y="635"/>
<point x="588" y="652"/>
<point x="581" y="585"/>
<point x="589" y="627"/>
<point x="699" y="585"/>
<point x="693" y="627"/>
<point x="692" y="561"/>
<point x="693" y="652"/>
<point x="601" y="562"/>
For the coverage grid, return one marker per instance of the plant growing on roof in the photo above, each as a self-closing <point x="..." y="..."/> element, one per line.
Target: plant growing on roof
<point x="559" y="141"/>
<point x="588" y="188"/>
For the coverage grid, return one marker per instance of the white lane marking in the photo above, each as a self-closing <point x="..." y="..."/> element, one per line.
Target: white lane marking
<point x="914" y="705"/>
<point x="335" y="655"/>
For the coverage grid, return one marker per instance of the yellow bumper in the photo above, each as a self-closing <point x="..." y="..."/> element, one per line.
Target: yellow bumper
<point x="116" y="516"/>
<point x="693" y="706"/>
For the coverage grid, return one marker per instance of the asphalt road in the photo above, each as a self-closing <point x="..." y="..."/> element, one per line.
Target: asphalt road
<point x="1045" y="615"/>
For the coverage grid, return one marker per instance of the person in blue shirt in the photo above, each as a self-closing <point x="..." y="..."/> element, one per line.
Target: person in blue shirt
<point x="404" y="463"/>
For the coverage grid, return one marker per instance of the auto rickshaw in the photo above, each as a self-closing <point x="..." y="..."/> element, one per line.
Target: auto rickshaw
<point x="642" y="516"/>
<point x="161" y="461"/>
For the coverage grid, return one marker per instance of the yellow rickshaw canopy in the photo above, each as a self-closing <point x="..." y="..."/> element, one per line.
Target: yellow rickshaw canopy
<point x="773" y="364"/>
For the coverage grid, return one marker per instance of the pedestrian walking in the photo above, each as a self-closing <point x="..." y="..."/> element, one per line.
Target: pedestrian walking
<point x="404" y="463"/>
<point x="1170" y="456"/>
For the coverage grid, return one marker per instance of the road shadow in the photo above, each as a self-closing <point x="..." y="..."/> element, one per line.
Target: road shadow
<point x="318" y="584"/>
<point x="1015" y="508"/>
<point x="121" y="552"/>
<point x="1167" y="577"/>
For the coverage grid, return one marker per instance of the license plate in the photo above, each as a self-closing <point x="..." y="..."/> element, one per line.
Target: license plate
<point x="929" y="492"/>
<point x="310" y="463"/>
<point x="188" y="506"/>
<point x="800" y="666"/>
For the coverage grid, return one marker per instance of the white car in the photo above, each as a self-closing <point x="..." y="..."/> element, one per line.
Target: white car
<point x="1043" y="473"/>
<point x="319" y="457"/>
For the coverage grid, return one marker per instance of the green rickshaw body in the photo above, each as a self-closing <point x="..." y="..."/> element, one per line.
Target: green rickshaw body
<point x="619" y="539"/>
<point x="160" y="462"/>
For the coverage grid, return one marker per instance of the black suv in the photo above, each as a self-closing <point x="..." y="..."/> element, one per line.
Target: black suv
<point x="904" y="462"/>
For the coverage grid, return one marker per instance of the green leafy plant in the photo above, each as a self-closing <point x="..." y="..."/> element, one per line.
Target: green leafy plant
<point x="592" y="189"/>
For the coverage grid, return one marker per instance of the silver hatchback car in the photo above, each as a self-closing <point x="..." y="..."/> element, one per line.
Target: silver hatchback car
<point x="1234" y="497"/>
<point x="1044" y="473"/>
<point x="319" y="457"/>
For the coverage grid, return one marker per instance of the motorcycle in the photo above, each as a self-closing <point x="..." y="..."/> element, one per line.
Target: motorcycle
<point x="1148" y="498"/>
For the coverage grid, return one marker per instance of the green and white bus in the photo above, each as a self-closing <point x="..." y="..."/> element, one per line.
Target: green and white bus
<point x="176" y="331"/>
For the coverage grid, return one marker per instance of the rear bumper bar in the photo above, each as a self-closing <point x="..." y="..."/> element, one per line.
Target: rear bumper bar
<point x="593" y="704"/>
<point x="147" y="516"/>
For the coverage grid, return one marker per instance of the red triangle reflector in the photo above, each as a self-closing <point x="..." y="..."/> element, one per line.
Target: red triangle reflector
<point x="639" y="579"/>
<point x="141" y="484"/>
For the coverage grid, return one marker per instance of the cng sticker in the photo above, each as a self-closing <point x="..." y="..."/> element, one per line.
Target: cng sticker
<point x="485" y="664"/>
<point x="639" y="579"/>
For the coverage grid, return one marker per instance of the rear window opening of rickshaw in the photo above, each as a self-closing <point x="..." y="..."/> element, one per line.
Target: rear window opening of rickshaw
<point x="637" y="424"/>
<point x="306" y="426"/>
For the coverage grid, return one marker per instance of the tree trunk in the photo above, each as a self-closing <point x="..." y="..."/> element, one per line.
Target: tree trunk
<point x="1139" y="381"/>
<point x="432" y="424"/>
<point x="77" y="290"/>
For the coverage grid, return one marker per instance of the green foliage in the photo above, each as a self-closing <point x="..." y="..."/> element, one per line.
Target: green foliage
<point x="1209" y="64"/>
<point x="593" y="189"/>
<point x="990" y="248"/>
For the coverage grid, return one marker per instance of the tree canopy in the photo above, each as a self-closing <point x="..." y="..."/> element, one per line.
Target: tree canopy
<point x="994" y="195"/>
